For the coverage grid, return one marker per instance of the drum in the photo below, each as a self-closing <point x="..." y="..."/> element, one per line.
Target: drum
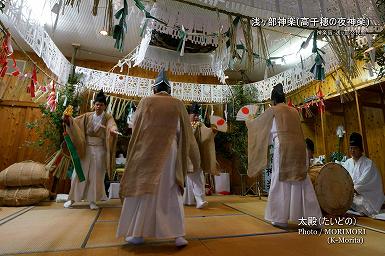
<point x="333" y="187"/>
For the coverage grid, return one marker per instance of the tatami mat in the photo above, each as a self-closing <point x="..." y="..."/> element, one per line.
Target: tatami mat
<point x="232" y="198"/>
<point x="288" y="244"/>
<point x="46" y="230"/>
<point x="103" y="233"/>
<point x="110" y="214"/>
<point x="228" y="227"/>
<point x="6" y="212"/>
<point x="194" y="248"/>
<point x="213" y="209"/>
<point x="219" y="226"/>
<point x="78" y="205"/>
<point x="256" y="208"/>
<point x="372" y="223"/>
<point x="293" y="244"/>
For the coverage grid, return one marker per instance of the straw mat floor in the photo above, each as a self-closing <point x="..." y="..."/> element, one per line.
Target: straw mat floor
<point x="232" y="225"/>
<point x="46" y="230"/>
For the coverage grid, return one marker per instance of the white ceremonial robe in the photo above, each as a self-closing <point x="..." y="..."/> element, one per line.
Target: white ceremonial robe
<point x="289" y="200"/>
<point x="195" y="187"/>
<point x="159" y="215"/>
<point x="94" y="169"/>
<point x="368" y="184"/>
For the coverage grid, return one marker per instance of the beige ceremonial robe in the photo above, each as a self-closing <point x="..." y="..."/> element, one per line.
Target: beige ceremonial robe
<point x="205" y="140"/>
<point x="152" y="184"/>
<point x="292" y="162"/>
<point x="155" y="126"/>
<point x="288" y="200"/>
<point x="96" y="149"/>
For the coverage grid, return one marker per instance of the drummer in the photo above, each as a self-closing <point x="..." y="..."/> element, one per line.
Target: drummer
<point x="368" y="191"/>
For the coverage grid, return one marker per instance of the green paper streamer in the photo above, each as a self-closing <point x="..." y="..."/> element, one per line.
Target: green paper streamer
<point x="121" y="28"/>
<point x="314" y="50"/>
<point x="139" y="4"/>
<point x="182" y="36"/>
<point x="75" y="158"/>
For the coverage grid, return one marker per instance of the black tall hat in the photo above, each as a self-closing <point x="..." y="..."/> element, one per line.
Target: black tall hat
<point x="277" y="91"/>
<point x="195" y="108"/>
<point x="277" y="94"/>
<point x="162" y="78"/>
<point x="356" y="140"/>
<point x="100" y="97"/>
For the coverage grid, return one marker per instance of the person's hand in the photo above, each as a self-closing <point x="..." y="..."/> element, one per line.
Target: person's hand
<point x="66" y="120"/>
<point x="214" y="129"/>
<point x="113" y="132"/>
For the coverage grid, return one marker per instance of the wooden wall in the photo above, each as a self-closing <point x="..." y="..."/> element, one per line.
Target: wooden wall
<point x="16" y="110"/>
<point x="371" y="120"/>
<point x="14" y="135"/>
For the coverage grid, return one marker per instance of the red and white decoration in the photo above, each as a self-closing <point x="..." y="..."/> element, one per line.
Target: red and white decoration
<point x="52" y="100"/>
<point x="247" y="112"/>
<point x="219" y="123"/>
<point x="7" y="51"/>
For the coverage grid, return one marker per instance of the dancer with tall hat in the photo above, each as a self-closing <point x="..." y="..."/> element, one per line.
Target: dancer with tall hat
<point x="195" y="180"/>
<point x="152" y="185"/>
<point x="94" y="137"/>
<point x="291" y="195"/>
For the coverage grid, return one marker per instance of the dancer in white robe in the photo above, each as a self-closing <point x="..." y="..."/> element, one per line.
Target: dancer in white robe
<point x="195" y="188"/>
<point x="156" y="167"/>
<point x="289" y="200"/>
<point x="195" y="180"/>
<point x="291" y="195"/>
<point x="368" y="191"/>
<point x="159" y="215"/>
<point x="94" y="136"/>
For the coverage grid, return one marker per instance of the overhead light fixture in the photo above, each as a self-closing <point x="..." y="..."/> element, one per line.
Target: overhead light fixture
<point x="103" y="32"/>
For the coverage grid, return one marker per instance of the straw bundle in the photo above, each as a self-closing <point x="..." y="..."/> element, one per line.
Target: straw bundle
<point x="27" y="173"/>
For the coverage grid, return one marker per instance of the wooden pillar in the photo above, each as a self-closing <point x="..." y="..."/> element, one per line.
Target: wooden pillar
<point x="323" y="131"/>
<point x="346" y="137"/>
<point x="361" y="124"/>
<point x="76" y="47"/>
<point x="381" y="94"/>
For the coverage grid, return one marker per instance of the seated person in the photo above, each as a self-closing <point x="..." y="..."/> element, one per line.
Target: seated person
<point x="368" y="191"/>
<point x="120" y="161"/>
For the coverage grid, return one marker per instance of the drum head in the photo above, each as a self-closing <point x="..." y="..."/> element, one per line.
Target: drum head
<point x="334" y="189"/>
